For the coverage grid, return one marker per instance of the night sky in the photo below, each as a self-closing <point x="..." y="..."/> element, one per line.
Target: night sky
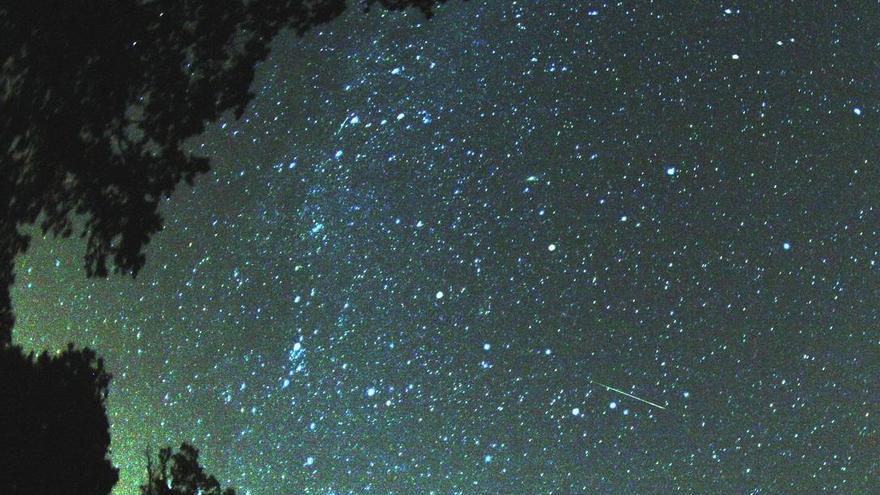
<point x="433" y="254"/>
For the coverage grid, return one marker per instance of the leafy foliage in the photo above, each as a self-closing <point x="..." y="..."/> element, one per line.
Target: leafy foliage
<point x="180" y="474"/>
<point x="97" y="98"/>
<point x="54" y="433"/>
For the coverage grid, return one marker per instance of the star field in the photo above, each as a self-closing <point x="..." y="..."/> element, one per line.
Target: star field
<point x="430" y="249"/>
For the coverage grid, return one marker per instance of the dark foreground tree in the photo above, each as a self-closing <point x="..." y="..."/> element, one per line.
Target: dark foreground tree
<point x="54" y="433"/>
<point x="96" y="98"/>
<point x="180" y="474"/>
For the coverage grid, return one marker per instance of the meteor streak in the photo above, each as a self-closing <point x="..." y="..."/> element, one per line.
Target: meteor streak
<point x="626" y="394"/>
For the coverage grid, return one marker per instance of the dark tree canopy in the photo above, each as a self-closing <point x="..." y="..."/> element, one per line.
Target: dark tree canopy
<point x="180" y="474"/>
<point x="97" y="98"/>
<point x="54" y="433"/>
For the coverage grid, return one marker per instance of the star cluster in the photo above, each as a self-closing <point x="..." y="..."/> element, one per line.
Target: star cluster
<point x="431" y="250"/>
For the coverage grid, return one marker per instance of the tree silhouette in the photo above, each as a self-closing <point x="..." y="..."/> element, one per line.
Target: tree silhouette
<point x="97" y="98"/>
<point x="180" y="474"/>
<point x="54" y="433"/>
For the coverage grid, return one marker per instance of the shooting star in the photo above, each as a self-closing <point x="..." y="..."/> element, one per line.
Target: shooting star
<point x="341" y="126"/>
<point x="348" y="121"/>
<point x="608" y="387"/>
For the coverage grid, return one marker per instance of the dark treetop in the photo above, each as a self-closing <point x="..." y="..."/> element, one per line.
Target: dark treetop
<point x="54" y="432"/>
<point x="180" y="474"/>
